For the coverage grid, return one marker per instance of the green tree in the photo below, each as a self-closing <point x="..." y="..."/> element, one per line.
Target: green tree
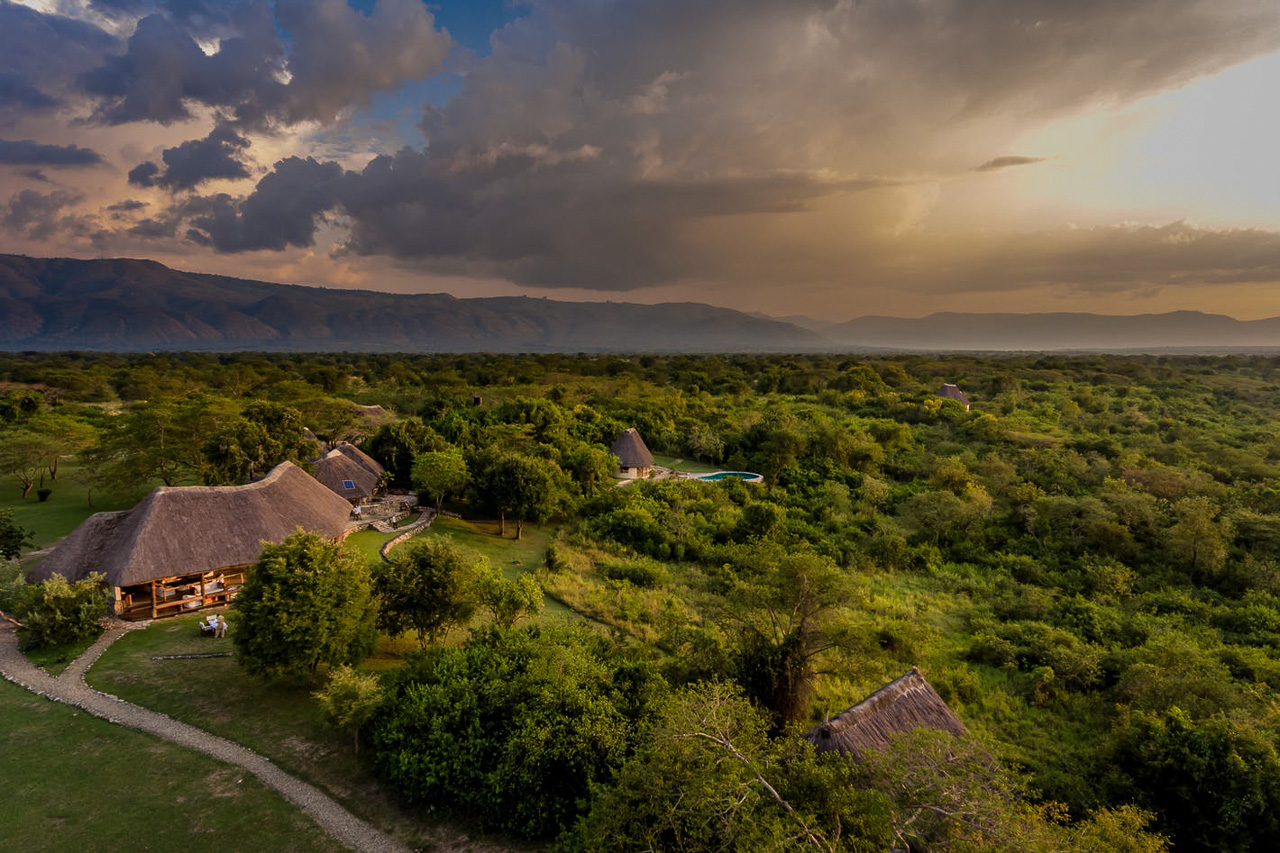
<point x="508" y="599"/>
<point x="265" y="435"/>
<point x="1199" y="539"/>
<point x="306" y="602"/>
<point x="785" y="622"/>
<point x="12" y="537"/>
<point x="24" y="454"/>
<point x="516" y="727"/>
<point x="429" y="586"/>
<point x="56" y="612"/>
<point x="525" y="487"/>
<point x="709" y="779"/>
<point x="349" y="700"/>
<point x="396" y="444"/>
<point x="440" y="473"/>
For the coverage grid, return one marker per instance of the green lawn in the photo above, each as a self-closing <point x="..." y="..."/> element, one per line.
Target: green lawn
<point x="514" y="557"/>
<point x="57" y="658"/>
<point x="688" y="466"/>
<point x="73" y="782"/>
<point x="61" y="513"/>
<point x="279" y="721"/>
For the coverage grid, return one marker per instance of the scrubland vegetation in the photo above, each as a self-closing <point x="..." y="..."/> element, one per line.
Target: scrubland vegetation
<point x="1084" y="566"/>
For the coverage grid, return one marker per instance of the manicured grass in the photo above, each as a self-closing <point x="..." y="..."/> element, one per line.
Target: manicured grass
<point x="57" y="658"/>
<point x="688" y="466"/>
<point x="61" y="513"/>
<point x="74" y="783"/>
<point x="280" y="721"/>
<point x="514" y="557"/>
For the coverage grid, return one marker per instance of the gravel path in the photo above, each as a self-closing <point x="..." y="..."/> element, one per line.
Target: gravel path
<point x="71" y="689"/>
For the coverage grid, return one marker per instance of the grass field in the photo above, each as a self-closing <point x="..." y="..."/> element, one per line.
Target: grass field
<point x="279" y="721"/>
<point x="688" y="466"/>
<point x="61" y="513"/>
<point x="514" y="557"/>
<point x="72" y="782"/>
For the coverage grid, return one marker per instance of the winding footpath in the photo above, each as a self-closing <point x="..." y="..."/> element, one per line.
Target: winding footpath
<point x="70" y="688"/>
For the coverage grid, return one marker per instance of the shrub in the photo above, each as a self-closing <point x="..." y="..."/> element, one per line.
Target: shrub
<point x="57" y="613"/>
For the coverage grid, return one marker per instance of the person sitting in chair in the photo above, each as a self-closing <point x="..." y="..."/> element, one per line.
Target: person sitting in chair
<point x="221" y="629"/>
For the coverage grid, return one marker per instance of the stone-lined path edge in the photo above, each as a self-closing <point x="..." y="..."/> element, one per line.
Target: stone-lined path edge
<point x="70" y="689"/>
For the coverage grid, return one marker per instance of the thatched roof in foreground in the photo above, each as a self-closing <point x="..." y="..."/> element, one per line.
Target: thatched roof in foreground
<point x="902" y="705"/>
<point x="179" y="530"/>
<point x="335" y="469"/>
<point x="631" y="451"/>
<point x="358" y="456"/>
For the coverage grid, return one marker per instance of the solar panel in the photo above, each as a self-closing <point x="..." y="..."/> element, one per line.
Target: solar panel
<point x="349" y="484"/>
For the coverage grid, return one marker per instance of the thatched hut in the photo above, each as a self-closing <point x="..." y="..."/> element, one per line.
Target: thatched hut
<point x="953" y="392"/>
<point x="345" y="477"/>
<point x="634" y="459"/>
<point x="902" y="705"/>
<point x="186" y="547"/>
<point x="358" y="456"/>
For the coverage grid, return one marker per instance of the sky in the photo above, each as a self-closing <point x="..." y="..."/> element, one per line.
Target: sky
<point x="824" y="158"/>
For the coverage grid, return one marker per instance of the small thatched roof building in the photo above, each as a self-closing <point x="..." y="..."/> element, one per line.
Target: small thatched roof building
<point x="902" y="705"/>
<point x="344" y="476"/>
<point x="183" y="547"/>
<point x="634" y="458"/>
<point x="953" y="392"/>
<point x="358" y="456"/>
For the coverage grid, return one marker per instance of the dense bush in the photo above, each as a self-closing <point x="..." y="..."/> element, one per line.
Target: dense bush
<point x="55" y="612"/>
<point x="514" y="728"/>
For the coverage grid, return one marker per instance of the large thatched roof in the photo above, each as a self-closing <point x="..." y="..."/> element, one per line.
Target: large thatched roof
<point x="631" y="451"/>
<point x="359" y="457"/>
<point x="180" y="530"/>
<point x="336" y="470"/>
<point x="902" y="705"/>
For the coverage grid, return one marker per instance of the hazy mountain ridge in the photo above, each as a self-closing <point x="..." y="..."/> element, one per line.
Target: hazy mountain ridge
<point x="1058" y="331"/>
<point x="132" y="305"/>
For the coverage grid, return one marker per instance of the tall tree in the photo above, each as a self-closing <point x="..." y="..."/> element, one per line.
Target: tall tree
<point x="306" y="602"/>
<point x="429" y="586"/>
<point x="440" y="473"/>
<point x="265" y="435"/>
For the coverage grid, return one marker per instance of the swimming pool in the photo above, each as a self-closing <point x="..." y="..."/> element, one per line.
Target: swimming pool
<point x="745" y="476"/>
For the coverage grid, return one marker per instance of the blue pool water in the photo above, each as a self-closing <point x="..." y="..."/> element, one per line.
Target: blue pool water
<point x="731" y="475"/>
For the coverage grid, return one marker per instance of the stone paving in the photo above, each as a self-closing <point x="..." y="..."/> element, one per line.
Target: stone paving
<point x="70" y="688"/>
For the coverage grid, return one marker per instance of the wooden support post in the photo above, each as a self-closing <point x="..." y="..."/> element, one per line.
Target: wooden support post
<point x="153" y="599"/>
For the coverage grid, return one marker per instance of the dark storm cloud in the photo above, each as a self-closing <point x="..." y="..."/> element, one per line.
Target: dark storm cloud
<point x="126" y="206"/>
<point x="638" y="143"/>
<point x="997" y="163"/>
<point x="190" y="164"/>
<point x="19" y="96"/>
<point x="25" y="152"/>
<point x="41" y="52"/>
<point x="282" y="211"/>
<point x="329" y="57"/>
<point x="39" y="215"/>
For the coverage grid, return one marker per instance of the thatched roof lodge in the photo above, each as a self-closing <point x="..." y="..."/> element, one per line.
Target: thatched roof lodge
<point x="953" y="392"/>
<point x="634" y="459"/>
<point x="349" y="472"/>
<point x="902" y="705"/>
<point x="186" y="547"/>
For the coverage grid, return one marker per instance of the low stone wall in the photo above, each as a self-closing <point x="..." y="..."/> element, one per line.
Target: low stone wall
<point x="428" y="516"/>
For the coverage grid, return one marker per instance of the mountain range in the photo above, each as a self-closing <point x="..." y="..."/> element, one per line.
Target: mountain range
<point x="139" y="305"/>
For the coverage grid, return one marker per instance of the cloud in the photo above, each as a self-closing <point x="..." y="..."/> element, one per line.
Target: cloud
<point x="44" y="52"/>
<point x="329" y="57"/>
<point x="37" y="215"/>
<point x="28" y="153"/>
<point x="192" y="163"/>
<point x="18" y="97"/>
<point x="997" y="163"/>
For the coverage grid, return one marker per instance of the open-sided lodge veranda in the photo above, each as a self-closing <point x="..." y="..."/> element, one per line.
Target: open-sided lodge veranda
<point x="188" y="547"/>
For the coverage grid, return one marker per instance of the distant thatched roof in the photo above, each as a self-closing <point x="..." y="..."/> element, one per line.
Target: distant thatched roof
<point x="179" y="530"/>
<point x="953" y="392"/>
<point x="902" y="705"/>
<point x="336" y="470"/>
<point x="359" y="457"/>
<point x="630" y="450"/>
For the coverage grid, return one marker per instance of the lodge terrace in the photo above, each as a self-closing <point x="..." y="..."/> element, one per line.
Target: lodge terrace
<point x="187" y="547"/>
